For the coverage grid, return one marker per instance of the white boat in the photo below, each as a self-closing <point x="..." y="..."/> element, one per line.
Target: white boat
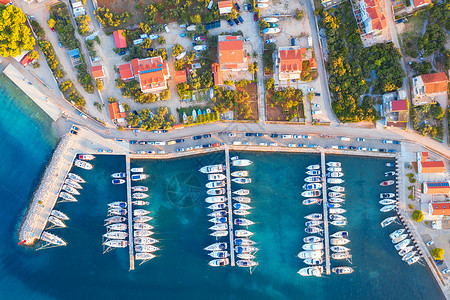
<point x="216" y="177"/>
<point x="389" y="164"/>
<point x="145" y="248"/>
<point x="312" y="179"/>
<point x="313" y="261"/>
<point x="117" y="227"/>
<point x="70" y="189"/>
<point x="387" y="183"/>
<point x="218" y="213"/>
<point x="214" y="192"/>
<point x="334" y="169"/>
<point x="312" y="186"/>
<point x="313" y="230"/>
<point x="337" y="188"/>
<point x="387" y="201"/>
<point x="333" y="164"/>
<point x="246" y="263"/>
<point x="138" y="177"/>
<point x="243" y="222"/>
<point x="336" y="200"/>
<point x="142" y="233"/>
<point x="140" y="203"/>
<point x="118" y="181"/>
<point x="116" y="243"/>
<point x="246" y="256"/>
<point x="140" y="212"/>
<point x="118" y="204"/>
<point x="73" y="183"/>
<point x="243" y="242"/>
<point x="241" y="206"/>
<point x="341" y="255"/>
<point x="75" y="177"/>
<point x="137" y="170"/>
<point x="335" y="180"/>
<point x="413" y="260"/>
<point x="310" y="254"/>
<point x="336" y="211"/>
<point x="335" y="174"/>
<point x="59" y="214"/>
<point x="311" y="193"/>
<point x="242" y="199"/>
<point x="241" y="180"/>
<point x="139" y="196"/>
<point x="139" y="188"/>
<point x="117" y="211"/>
<point x="115" y="219"/>
<point x="405" y="250"/>
<point x="219" y="226"/>
<point x="119" y="175"/>
<point x="215" y="184"/>
<point x="218" y="220"/>
<point x="145" y="240"/>
<point x="242" y="192"/>
<point x="271" y="20"/>
<point x="402" y="244"/>
<point x="116" y="235"/>
<point x="339" y="241"/>
<point x="219" y="262"/>
<point x="389" y="173"/>
<point x="311" y="201"/>
<point x="340" y="234"/>
<point x="387" y="195"/>
<point x="311" y="271"/>
<point x="313" y="217"/>
<point x="219" y="233"/>
<point x="339" y="249"/>
<point x="55" y="221"/>
<point x="313" y="223"/>
<point x="241" y="212"/>
<point x="342" y="270"/>
<point x="239" y="174"/>
<point x="338" y="223"/>
<point x="144" y="256"/>
<point x="142" y="226"/>
<point x="313" y="246"/>
<point x="83" y="164"/>
<point x="219" y="254"/>
<point x="337" y="218"/>
<point x="142" y="219"/>
<point x="336" y="195"/>
<point x="313" y="172"/>
<point x="212" y="169"/>
<point x="67" y="197"/>
<point x="333" y="205"/>
<point x="217" y="206"/>
<point x="388" y="208"/>
<point x="215" y="199"/>
<point x="241" y="162"/>
<point x="399" y="238"/>
<point x="313" y="167"/>
<point x="243" y="233"/>
<point x="312" y="239"/>
<point x="52" y="239"/>
<point x="86" y="157"/>
<point x="388" y="221"/>
<point x="217" y="247"/>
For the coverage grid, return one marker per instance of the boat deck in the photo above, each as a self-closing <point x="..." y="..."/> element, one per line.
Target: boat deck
<point x="230" y="206"/>
<point x="130" y="213"/>
<point x="325" y="214"/>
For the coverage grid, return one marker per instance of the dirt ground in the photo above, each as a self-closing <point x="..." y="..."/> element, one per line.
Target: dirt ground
<point x="251" y="90"/>
<point x="120" y="6"/>
<point x="275" y="112"/>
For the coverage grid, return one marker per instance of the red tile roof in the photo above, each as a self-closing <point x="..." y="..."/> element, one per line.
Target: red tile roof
<point x="26" y="60"/>
<point x="441" y="209"/>
<point x="224" y="4"/>
<point x="313" y="63"/>
<point x="435" y="82"/>
<point x="4" y="2"/>
<point x="180" y="76"/>
<point x="152" y="80"/>
<point x="378" y="19"/>
<point x="291" y="60"/>
<point x="425" y="156"/>
<point x="97" y="72"/>
<point x="114" y="111"/>
<point x="119" y="39"/>
<point x="419" y="3"/>
<point x="231" y="50"/>
<point x="218" y="75"/>
<point x="125" y="72"/>
<point x="398" y="105"/>
<point x="432" y="167"/>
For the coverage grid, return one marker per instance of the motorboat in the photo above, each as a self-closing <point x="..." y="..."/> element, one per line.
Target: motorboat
<point x="399" y="238"/>
<point x="336" y="200"/>
<point x="217" y="247"/>
<point x="341" y="255"/>
<point x="333" y="164"/>
<point x="214" y="177"/>
<point x="115" y="219"/>
<point x="142" y="219"/>
<point x="243" y="222"/>
<point x="219" y="226"/>
<point x="239" y="174"/>
<point x="70" y="189"/>
<point x="139" y="196"/>
<point x="116" y="235"/>
<point x="75" y="177"/>
<point x="73" y="183"/>
<point x="212" y="169"/>
<point x="55" y="221"/>
<point x="242" y="199"/>
<point x="388" y="221"/>
<point x="118" y="204"/>
<point x="242" y="192"/>
<point x="218" y="220"/>
<point x="116" y="243"/>
<point x="388" y="208"/>
<point x="387" y="182"/>
<point x="215" y="184"/>
<point x="119" y="175"/>
<point x="387" y="195"/>
<point x="218" y="213"/>
<point x="313" y="223"/>
<point x="337" y="218"/>
<point x="336" y="195"/>
<point x="215" y="199"/>
<point x="313" y="172"/>
<point x="337" y="188"/>
<point x="139" y="188"/>
<point x="138" y="177"/>
<point x="117" y="211"/>
<point x="310" y="254"/>
<point x="313" y="230"/>
<point x="137" y="170"/>
<point x="311" y="201"/>
<point x="334" y="169"/>
<point x="389" y="173"/>
<point x="312" y="186"/>
<point x="336" y="211"/>
<point x="245" y="249"/>
<point x="246" y="263"/>
<point x="413" y="260"/>
<point x="241" y="163"/>
<point x="387" y="201"/>
<point x="271" y="20"/>
<point x="312" y="179"/>
<point x="145" y="240"/>
<point x="313" y="167"/>
<point x="243" y="242"/>
<point x="219" y="233"/>
<point x="389" y="164"/>
<point x="335" y="174"/>
<point x="405" y="250"/>
<point x="339" y="241"/>
<point x="243" y="233"/>
<point x="340" y="234"/>
<point x="313" y="217"/>
<point x="311" y="271"/>
<point x="59" y="214"/>
<point x="339" y="249"/>
<point x="313" y="246"/>
<point x="117" y="227"/>
<point x="86" y="157"/>
<point x="342" y="270"/>
<point x="242" y="206"/>
<point x="52" y="239"/>
<point x="311" y="193"/>
<point x="145" y="248"/>
<point x="220" y="262"/>
<point x="338" y="223"/>
<point x="313" y="261"/>
<point x="241" y="212"/>
<point x="335" y="180"/>
<point x="219" y="254"/>
<point x="241" y="180"/>
<point x="140" y="212"/>
<point x="67" y="197"/>
<point x="140" y="203"/>
<point x="402" y="244"/>
<point x="139" y="233"/>
<point x="246" y="256"/>
<point x="333" y="205"/>
<point x="217" y="206"/>
<point x="83" y="164"/>
<point x="213" y="192"/>
<point x="312" y="239"/>
<point x="118" y="181"/>
<point x="144" y="256"/>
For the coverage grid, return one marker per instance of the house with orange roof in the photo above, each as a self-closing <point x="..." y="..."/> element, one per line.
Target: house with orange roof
<point x="425" y="166"/>
<point x="439" y="209"/>
<point x="428" y="86"/>
<point x="180" y="76"/>
<point x="98" y="72"/>
<point x="421" y="3"/>
<point x="433" y="188"/>
<point x="117" y="112"/>
<point x="217" y="73"/>
<point x="120" y="39"/>
<point x="5" y="2"/>
<point x="225" y="7"/>
<point x="289" y="62"/>
<point x="372" y="18"/>
<point x="231" y="53"/>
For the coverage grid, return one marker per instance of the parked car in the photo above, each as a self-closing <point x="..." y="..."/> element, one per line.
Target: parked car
<point x="246" y="39"/>
<point x="161" y="152"/>
<point x="179" y="140"/>
<point x="344" y="138"/>
<point x="396" y="142"/>
<point x="313" y="146"/>
<point x="286" y="136"/>
<point x="216" y="144"/>
<point x="269" y="41"/>
<point x="439" y="262"/>
<point x="160" y="143"/>
<point x="352" y="147"/>
<point x="198" y="147"/>
<point x="100" y="150"/>
<point x="151" y="152"/>
<point x="292" y="145"/>
<point x="189" y="148"/>
<point x="240" y="19"/>
<point x="153" y="36"/>
<point x="60" y="45"/>
<point x="316" y="94"/>
<point x="429" y="243"/>
<point x="171" y="143"/>
<point x="316" y="112"/>
<point x="258" y="134"/>
<point x="166" y="28"/>
<point x="238" y="8"/>
<point x="382" y="150"/>
<point x="273" y="144"/>
<point x="205" y="136"/>
<point x="445" y="271"/>
<point x="373" y="149"/>
<point x="133" y="142"/>
<point x="362" y="148"/>
<point x="296" y="136"/>
<point x="121" y="53"/>
<point x="199" y="38"/>
<point x="53" y="29"/>
<point x="255" y="17"/>
<point x="292" y="42"/>
<point x="310" y="89"/>
<point x="302" y="145"/>
<point x="180" y="149"/>
<point x="263" y="144"/>
<point x="236" y="21"/>
<point x="197" y="137"/>
<point x="387" y="142"/>
<point x="237" y="143"/>
<point x="248" y="134"/>
<point x="230" y="22"/>
<point x="316" y="105"/>
<point x="392" y="151"/>
<point x="183" y="34"/>
<point x="246" y="143"/>
<point x="274" y="135"/>
<point x="334" y="147"/>
<point x="360" y="139"/>
<point x="231" y="134"/>
<point x="306" y="136"/>
<point x="206" y="146"/>
<point x="250" y="7"/>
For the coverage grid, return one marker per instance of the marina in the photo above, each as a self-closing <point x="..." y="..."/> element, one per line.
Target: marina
<point x="130" y="213"/>
<point x="230" y="207"/>
<point x="325" y="215"/>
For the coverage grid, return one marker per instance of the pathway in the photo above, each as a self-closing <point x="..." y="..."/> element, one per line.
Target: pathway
<point x="130" y="213"/>
<point x="325" y="214"/>
<point x="230" y="208"/>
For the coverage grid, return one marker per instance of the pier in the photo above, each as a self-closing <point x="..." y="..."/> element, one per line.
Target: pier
<point x="130" y="213"/>
<point x="325" y="214"/>
<point x="230" y="206"/>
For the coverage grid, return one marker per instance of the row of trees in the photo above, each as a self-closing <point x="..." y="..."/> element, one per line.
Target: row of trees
<point x="213" y="116"/>
<point x="50" y="55"/>
<point x="111" y="19"/>
<point x="147" y="120"/>
<point x="83" y="24"/>
<point x="15" y="36"/>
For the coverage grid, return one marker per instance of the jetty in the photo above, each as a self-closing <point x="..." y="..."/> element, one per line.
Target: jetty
<point x="325" y="214"/>
<point x="230" y="206"/>
<point x="130" y="213"/>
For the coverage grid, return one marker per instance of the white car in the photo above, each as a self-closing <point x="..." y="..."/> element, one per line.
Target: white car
<point x="153" y="36"/>
<point x="263" y="144"/>
<point x="198" y="147"/>
<point x="160" y="143"/>
<point x="271" y="41"/>
<point x="292" y="145"/>
<point x="273" y="144"/>
<point x="344" y="138"/>
<point x="237" y="143"/>
<point x="161" y="152"/>
<point x="189" y="148"/>
<point x="200" y="47"/>
<point x="334" y="147"/>
<point x="286" y="136"/>
<point x="231" y="134"/>
<point x="166" y="28"/>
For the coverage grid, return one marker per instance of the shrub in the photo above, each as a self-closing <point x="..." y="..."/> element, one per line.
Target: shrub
<point x="99" y="84"/>
<point x="437" y="253"/>
<point x="112" y="99"/>
<point x="417" y="215"/>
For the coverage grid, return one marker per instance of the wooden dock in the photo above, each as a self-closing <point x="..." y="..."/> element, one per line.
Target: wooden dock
<point x="325" y="214"/>
<point x="130" y="213"/>
<point x="230" y="206"/>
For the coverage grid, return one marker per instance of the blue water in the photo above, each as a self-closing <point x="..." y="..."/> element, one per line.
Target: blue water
<point x="81" y="271"/>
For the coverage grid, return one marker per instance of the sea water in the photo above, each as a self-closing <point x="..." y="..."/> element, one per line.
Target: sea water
<point x="176" y="188"/>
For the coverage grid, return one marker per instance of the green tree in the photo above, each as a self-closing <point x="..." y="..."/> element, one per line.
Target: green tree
<point x="164" y="95"/>
<point x="437" y="253"/>
<point x="99" y="84"/>
<point x="65" y="85"/>
<point x="33" y="55"/>
<point x="438" y="112"/>
<point x="51" y="23"/>
<point x="299" y="14"/>
<point x="83" y="24"/>
<point x="15" y="35"/>
<point x="177" y="49"/>
<point x="161" y="40"/>
<point x="417" y="215"/>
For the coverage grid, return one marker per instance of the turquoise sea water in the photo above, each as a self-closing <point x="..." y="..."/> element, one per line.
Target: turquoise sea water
<point x="81" y="271"/>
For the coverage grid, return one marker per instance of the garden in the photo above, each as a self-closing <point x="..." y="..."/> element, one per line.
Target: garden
<point x="284" y="105"/>
<point x="428" y="120"/>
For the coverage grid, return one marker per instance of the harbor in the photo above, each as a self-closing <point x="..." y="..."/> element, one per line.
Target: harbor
<point x="130" y="212"/>
<point x="325" y="214"/>
<point x="230" y="206"/>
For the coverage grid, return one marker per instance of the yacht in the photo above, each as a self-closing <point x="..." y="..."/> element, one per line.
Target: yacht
<point x="117" y="227"/>
<point x="337" y="188"/>
<point x="313" y="172"/>
<point x="140" y="212"/>
<point x="140" y="233"/>
<point x="75" y="177"/>
<point x="389" y="173"/>
<point x="312" y="186"/>
<point x="215" y="184"/>
<point x="219" y="226"/>
<point x="137" y="177"/>
<point x="310" y="254"/>
<point x="313" y="230"/>
<point x="243" y="233"/>
<point x="336" y="211"/>
<point x="408" y="255"/>
<point x="117" y="211"/>
<point x="388" y="221"/>
<point x="116" y="243"/>
<point x="313" y="217"/>
<point x="216" y="177"/>
<point x="55" y="221"/>
<point x="336" y="200"/>
<point x="86" y="157"/>
<point x="242" y="206"/>
<point x="312" y="239"/>
<point x="313" y="167"/>
<point x="139" y="188"/>
<point x="311" y="271"/>
<point x="246" y="263"/>
<point x="219" y="262"/>
<point x="335" y="174"/>
<point x="145" y="240"/>
<point x="137" y="170"/>
<point x="59" y="214"/>
<point x="389" y="164"/>
<point x="217" y="206"/>
<point x="242" y="199"/>
<point x="70" y="189"/>
<point x="339" y="249"/>
<point x="145" y="248"/>
<point x="218" y="213"/>
<point x="405" y="250"/>
<point x="83" y="164"/>
<point x="337" y="218"/>
<point x="339" y="241"/>
<point x="313" y="261"/>
<point x="118" y="181"/>
<point x="67" y="197"/>
<point x="218" y="220"/>
<point x="142" y="226"/>
<point x="397" y="233"/>
<point x="115" y="219"/>
<point x="387" y="195"/>
<point x="241" y="212"/>
<point x="119" y="175"/>
<point x="243" y="242"/>
<point x="387" y="182"/>
<point x="399" y="238"/>
<point x="140" y="203"/>
<point x="139" y="196"/>
<point x="217" y="247"/>
<point x="242" y="192"/>
<point x="413" y="260"/>
<point x="219" y="254"/>
<point x="116" y="235"/>
<point x="333" y="164"/>
<point x="387" y="201"/>
<point x="241" y="162"/>
<point x="245" y="249"/>
<point x="311" y="201"/>
<point x="118" y="204"/>
<point x="333" y="205"/>
<point x="336" y="195"/>
<point x="334" y="169"/>
<point x="388" y="208"/>
<point x="243" y="222"/>
<point x="242" y="180"/>
<point x="312" y="179"/>
<point x="313" y="246"/>
<point x="142" y="219"/>
<point x="212" y="169"/>
<point x="73" y="183"/>
<point x="52" y="239"/>
<point x="213" y="192"/>
<point x="313" y="223"/>
<point x="341" y="255"/>
<point x="338" y="223"/>
<point x="340" y="234"/>
<point x="144" y="256"/>
<point x="239" y="174"/>
<point x="246" y="256"/>
<point x="311" y="193"/>
<point x="215" y="199"/>
<point x="335" y="180"/>
<point x="402" y="244"/>
<point x="342" y="270"/>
